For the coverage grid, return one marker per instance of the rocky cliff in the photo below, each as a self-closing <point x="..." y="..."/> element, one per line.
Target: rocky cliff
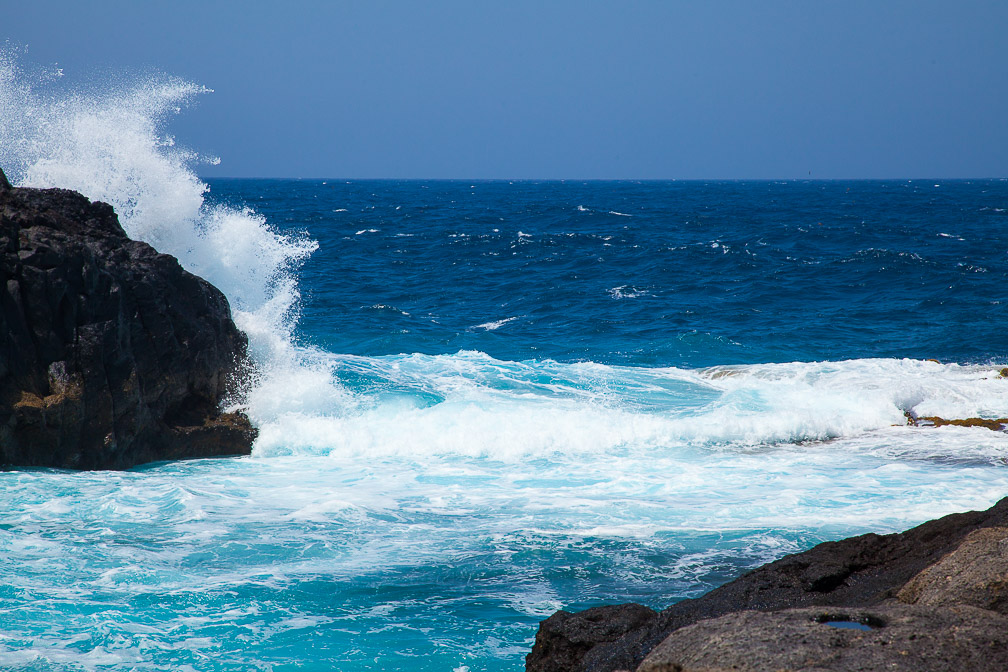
<point x="111" y="354"/>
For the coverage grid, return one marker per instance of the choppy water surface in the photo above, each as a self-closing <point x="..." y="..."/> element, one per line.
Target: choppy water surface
<point x="482" y="402"/>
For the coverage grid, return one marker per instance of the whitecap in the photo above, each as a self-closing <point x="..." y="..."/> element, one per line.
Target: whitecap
<point x="491" y="326"/>
<point x="627" y="292"/>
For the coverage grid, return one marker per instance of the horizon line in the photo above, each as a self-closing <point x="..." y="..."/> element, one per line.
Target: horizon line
<point x="606" y="179"/>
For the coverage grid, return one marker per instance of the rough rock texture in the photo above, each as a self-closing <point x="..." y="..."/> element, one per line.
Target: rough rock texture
<point x="857" y="572"/>
<point x="571" y="636"/>
<point x="111" y="355"/>
<point x="975" y="573"/>
<point x="905" y="639"/>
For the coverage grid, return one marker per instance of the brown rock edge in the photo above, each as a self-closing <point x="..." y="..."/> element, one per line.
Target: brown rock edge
<point x="932" y="598"/>
<point x="111" y="354"/>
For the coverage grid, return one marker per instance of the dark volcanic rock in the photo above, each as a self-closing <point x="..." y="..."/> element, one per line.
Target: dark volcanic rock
<point x="111" y="355"/>
<point x="856" y="572"/>
<point x="564" y="638"/>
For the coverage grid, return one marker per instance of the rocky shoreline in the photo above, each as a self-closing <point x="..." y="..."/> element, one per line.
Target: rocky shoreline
<point x="932" y="598"/>
<point x="111" y="354"/>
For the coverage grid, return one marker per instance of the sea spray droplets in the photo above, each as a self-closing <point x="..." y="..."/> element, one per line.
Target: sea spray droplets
<point x="110" y="144"/>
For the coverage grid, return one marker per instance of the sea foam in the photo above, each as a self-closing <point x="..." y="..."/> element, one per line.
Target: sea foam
<point x="470" y="404"/>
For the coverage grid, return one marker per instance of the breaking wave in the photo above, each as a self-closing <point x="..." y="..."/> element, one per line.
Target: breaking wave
<point x="110" y="143"/>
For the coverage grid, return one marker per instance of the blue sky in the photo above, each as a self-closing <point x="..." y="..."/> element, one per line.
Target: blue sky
<point x="560" y="89"/>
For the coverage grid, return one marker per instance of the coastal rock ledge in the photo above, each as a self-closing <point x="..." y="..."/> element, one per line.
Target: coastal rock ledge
<point x="111" y="355"/>
<point x="931" y="599"/>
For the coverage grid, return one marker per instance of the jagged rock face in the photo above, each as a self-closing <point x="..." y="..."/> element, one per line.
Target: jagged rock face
<point x="111" y="354"/>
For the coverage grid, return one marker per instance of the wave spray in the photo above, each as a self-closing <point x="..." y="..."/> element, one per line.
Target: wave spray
<point x="110" y="144"/>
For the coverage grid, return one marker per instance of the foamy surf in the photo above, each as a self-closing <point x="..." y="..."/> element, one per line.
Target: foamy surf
<point x="471" y="404"/>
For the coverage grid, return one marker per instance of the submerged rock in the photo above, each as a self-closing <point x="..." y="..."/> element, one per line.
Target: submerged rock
<point x="862" y="572"/>
<point x="111" y="354"/>
<point x="993" y="424"/>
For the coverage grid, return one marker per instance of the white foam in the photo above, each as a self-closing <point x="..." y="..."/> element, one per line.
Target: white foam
<point x="626" y="292"/>
<point x="491" y="326"/>
<point x="515" y="410"/>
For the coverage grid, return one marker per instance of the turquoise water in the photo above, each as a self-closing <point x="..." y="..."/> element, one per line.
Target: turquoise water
<point x="482" y="402"/>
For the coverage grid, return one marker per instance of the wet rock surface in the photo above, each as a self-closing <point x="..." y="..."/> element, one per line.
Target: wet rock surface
<point x="993" y="424"/>
<point x="111" y="355"/>
<point x="859" y="572"/>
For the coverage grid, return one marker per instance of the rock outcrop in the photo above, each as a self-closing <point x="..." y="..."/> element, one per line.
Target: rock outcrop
<point x="111" y="355"/>
<point x="993" y="424"/>
<point x="957" y="564"/>
<point x="901" y="638"/>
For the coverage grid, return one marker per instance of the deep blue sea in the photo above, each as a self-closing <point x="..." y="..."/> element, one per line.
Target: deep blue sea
<point x="648" y="274"/>
<point x="481" y="402"/>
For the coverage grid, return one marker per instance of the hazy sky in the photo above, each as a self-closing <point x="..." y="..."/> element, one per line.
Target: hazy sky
<point x="560" y="89"/>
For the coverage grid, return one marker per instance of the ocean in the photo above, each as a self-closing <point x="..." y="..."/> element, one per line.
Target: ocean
<point x="483" y="401"/>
